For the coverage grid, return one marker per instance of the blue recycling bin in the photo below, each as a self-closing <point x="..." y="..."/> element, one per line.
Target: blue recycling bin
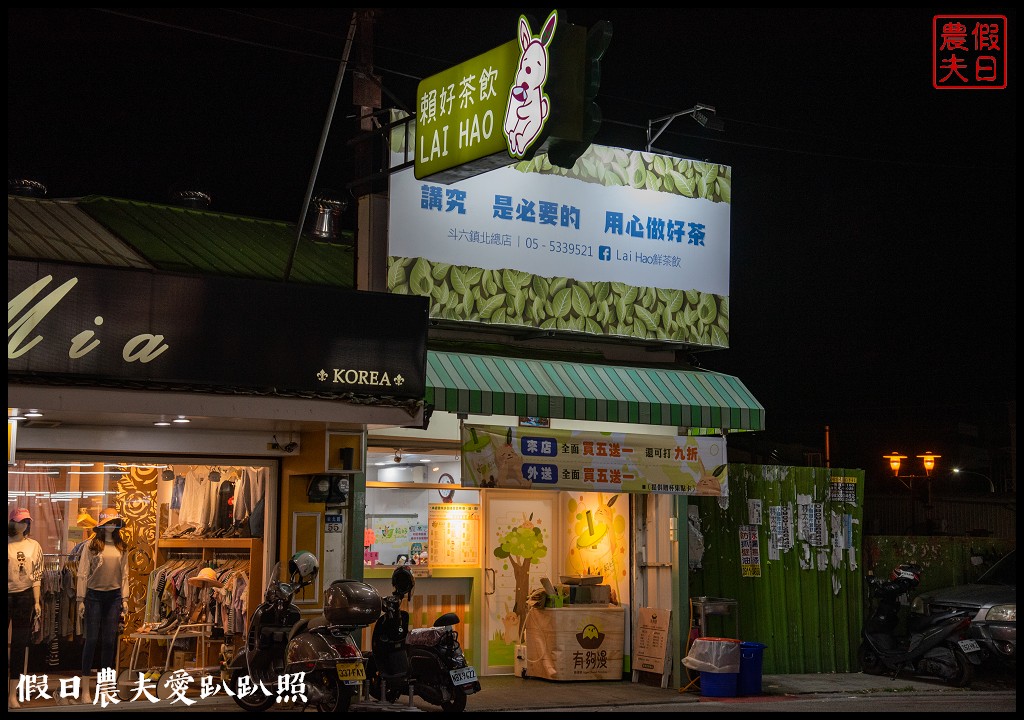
<point x="716" y="684"/>
<point x="751" y="659"/>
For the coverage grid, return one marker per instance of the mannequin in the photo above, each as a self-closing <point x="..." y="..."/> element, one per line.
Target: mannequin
<point x="24" y="577"/>
<point x="102" y="585"/>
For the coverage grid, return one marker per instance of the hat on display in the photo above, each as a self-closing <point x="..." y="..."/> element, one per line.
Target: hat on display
<point x="206" y="578"/>
<point x="110" y="516"/>
<point x="19" y="515"/>
<point x="85" y="520"/>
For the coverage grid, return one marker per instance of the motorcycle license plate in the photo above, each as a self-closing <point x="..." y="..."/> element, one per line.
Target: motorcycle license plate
<point x="968" y="645"/>
<point x="351" y="671"/>
<point x="463" y="676"/>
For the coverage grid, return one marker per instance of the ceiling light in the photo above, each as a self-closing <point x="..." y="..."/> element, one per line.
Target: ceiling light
<point x="58" y="464"/>
<point x="434" y="469"/>
<point x="162" y="423"/>
<point x="181" y="419"/>
<point x="33" y="414"/>
<point x="16" y="417"/>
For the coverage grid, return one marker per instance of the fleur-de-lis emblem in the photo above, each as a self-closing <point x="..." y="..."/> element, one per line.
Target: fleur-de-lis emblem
<point x="399" y="380"/>
<point x="322" y="375"/>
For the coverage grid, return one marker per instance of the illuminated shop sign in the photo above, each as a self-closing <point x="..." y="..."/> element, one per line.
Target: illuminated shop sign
<point x="114" y="324"/>
<point x="542" y="458"/>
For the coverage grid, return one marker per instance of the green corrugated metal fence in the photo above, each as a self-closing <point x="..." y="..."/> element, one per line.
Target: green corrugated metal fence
<point x="807" y="604"/>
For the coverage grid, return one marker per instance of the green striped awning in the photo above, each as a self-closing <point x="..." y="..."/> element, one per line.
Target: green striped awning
<point x="489" y="385"/>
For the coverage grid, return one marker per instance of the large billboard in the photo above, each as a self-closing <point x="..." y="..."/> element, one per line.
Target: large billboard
<point x="626" y="244"/>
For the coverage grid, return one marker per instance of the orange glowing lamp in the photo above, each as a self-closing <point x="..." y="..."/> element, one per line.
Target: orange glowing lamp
<point x="894" y="461"/>
<point x="929" y="461"/>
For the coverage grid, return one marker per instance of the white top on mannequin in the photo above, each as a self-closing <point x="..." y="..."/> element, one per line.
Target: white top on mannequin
<point x="24" y="561"/>
<point x="107" y="570"/>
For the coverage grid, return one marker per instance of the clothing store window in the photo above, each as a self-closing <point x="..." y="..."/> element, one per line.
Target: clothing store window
<point x="189" y="538"/>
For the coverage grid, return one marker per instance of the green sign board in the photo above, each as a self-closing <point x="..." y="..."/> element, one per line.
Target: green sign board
<point x="461" y="112"/>
<point x="502" y="106"/>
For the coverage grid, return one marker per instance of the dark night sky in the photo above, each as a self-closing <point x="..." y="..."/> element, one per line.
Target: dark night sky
<point x="873" y="275"/>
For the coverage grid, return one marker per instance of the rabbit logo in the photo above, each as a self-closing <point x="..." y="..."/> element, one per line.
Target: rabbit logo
<point x="528" y="105"/>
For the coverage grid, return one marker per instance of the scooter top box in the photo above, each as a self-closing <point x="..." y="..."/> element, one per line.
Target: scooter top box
<point x="350" y="602"/>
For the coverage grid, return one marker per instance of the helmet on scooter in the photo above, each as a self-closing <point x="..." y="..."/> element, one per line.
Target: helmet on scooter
<point x="403" y="581"/>
<point x="907" y="571"/>
<point x="303" y="567"/>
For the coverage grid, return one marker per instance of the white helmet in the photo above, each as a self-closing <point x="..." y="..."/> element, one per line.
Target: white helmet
<point x="303" y="567"/>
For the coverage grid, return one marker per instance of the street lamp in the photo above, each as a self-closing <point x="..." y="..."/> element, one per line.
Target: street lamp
<point x="703" y="114"/>
<point x="991" y="485"/>
<point x="928" y="460"/>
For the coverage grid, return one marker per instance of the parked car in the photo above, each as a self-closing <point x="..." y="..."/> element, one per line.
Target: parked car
<point x="992" y="601"/>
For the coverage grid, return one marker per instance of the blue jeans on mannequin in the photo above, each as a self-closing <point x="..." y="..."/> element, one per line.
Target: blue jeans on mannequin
<point x="20" y="607"/>
<point x="102" y="613"/>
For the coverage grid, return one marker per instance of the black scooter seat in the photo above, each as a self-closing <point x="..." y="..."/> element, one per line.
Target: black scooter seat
<point x="446" y="620"/>
<point x="425" y="637"/>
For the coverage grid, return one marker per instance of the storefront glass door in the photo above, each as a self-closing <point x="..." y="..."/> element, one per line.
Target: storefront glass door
<point x="518" y="548"/>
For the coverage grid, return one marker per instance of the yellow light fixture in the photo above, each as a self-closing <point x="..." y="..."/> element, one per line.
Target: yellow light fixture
<point x="929" y="461"/>
<point x="894" y="461"/>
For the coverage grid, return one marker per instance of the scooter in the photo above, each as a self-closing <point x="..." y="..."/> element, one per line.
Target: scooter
<point x="937" y="647"/>
<point x="322" y="652"/>
<point x="425" y="662"/>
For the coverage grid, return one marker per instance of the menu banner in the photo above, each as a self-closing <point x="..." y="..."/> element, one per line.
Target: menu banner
<point x="454" y="534"/>
<point x="542" y="458"/>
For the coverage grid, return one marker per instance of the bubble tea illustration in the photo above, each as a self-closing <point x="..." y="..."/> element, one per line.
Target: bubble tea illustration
<point x="480" y="460"/>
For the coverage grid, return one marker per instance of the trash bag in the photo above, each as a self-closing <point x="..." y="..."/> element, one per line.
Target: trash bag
<point x="716" y="655"/>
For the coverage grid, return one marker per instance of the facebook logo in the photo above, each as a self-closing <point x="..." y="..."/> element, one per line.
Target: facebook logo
<point x="604" y="252"/>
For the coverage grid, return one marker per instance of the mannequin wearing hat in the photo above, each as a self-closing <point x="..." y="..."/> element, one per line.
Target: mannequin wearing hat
<point x="102" y="585"/>
<point x="24" y="578"/>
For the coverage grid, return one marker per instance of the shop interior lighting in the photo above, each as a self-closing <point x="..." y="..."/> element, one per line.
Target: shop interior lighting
<point x="162" y="423"/>
<point x="33" y="414"/>
<point x="181" y="419"/>
<point x="58" y="464"/>
<point x="16" y="416"/>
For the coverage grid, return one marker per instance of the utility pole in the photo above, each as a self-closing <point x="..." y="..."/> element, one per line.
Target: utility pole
<point x="372" y="218"/>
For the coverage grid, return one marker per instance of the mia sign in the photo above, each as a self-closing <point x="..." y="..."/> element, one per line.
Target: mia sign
<point x="504" y="105"/>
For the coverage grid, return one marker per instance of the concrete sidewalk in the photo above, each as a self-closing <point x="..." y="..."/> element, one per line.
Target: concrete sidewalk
<point x="508" y="692"/>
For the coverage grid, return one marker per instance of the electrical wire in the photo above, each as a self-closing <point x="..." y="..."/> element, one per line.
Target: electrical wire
<point x="218" y="36"/>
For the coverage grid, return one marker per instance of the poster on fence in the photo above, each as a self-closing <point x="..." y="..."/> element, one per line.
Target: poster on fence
<point x="750" y="551"/>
